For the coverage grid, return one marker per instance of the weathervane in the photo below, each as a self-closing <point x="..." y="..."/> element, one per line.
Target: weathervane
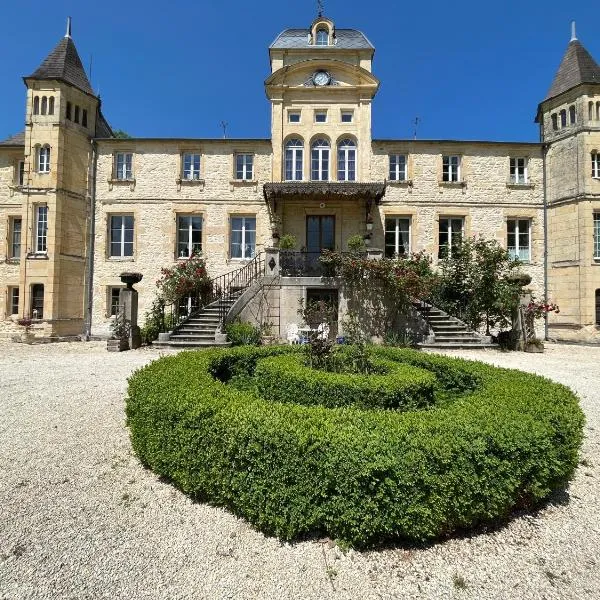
<point x="320" y="8"/>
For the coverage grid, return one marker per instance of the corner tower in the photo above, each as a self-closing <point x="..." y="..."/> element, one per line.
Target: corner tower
<point x="569" y="119"/>
<point x="62" y="117"/>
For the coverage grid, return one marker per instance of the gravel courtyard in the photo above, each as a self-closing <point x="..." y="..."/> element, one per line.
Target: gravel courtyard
<point x="81" y="518"/>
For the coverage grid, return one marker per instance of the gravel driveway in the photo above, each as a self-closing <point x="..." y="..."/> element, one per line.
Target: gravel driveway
<point x="80" y="518"/>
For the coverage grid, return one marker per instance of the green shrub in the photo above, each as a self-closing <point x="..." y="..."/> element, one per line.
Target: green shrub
<point x="506" y="441"/>
<point x="401" y="386"/>
<point x="243" y="334"/>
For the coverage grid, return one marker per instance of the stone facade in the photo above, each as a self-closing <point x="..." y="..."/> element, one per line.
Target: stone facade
<point x="318" y="91"/>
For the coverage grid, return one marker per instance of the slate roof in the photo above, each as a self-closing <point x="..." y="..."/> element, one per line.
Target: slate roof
<point x="14" y="140"/>
<point x="577" y="67"/>
<point x="347" y="39"/>
<point x="64" y="64"/>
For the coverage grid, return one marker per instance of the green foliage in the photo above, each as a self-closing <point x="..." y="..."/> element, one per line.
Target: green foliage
<point x="400" y="338"/>
<point x="120" y="328"/>
<point x="186" y="277"/>
<point x="363" y="476"/>
<point x="477" y="284"/>
<point x="155" y="321"/>
<point x="121" y="135"/>
<point x="243" y="334"/>
<point x="356" y="244"/>
<point x="288" y="242"/>
<point x="399" y="386"/>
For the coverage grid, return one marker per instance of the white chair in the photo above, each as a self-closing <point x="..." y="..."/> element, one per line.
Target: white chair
<point x="292" y="334"/>
<point x="323" y="331"/>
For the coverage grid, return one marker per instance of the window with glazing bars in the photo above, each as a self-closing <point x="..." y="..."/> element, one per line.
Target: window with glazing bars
<point x="191" y="166"/>
<point x="44" y="159"/>
<point x="294" y="153"/>
<point x="121" y="235"/>
<point x="347" y="160"/>
<point x="518" y="233"/>
<point x="451" y="168"/>
<point x="15" y="237"/>
<point x="596" y="165"/>
<point x="244" y="166"/>
<point x="320" y="160"/>
<point x="114" y="299"/>
<point x="124" y="165"/>
<point x="41" y="228"/>
<point x="450" y="235"/>
<point x="189" y="235"/>
<point x="243" y="237"/>
<point x="397" y="236"/>
<point x="597" y="236"/>
<point x="518" y="170"/>
<point x="398" y="167"/>
<point x="13" y="300"/>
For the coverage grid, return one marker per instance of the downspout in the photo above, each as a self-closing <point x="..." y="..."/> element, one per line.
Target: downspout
<point x="91" y="242"/>
<point x="544" y="186"/>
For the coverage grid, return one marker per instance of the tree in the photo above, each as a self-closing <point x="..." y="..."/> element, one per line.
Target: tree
<point x="475" y="284"/>
<point x="121" y="135"/>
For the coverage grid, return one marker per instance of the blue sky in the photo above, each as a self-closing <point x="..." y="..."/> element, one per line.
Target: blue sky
<point x="468" y="70"/>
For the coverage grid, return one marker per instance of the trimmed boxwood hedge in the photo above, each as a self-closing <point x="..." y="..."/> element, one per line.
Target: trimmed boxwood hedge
<point x="401" y="386"/>
<point x="506" y="441"/>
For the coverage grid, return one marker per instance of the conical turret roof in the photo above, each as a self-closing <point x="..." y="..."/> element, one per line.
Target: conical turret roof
<point x="577" y="67"/>
<point x="64" y="64"/>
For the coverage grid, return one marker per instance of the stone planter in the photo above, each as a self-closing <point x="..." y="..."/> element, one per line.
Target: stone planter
<point x="268" y="340"/>
<point x="27" y="337"/>
<point x="117" y="345"/>
<point x="534" y="347"/>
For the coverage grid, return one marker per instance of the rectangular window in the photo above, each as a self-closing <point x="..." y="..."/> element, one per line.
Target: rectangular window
<point x="189" y="235"/>
<point x="68" y="111"/>
<point x="347" y="116"/>
<point x="320" y="116"/>
<point x="597" y="236"/>
<point x="76" y="119"/>
<point x="121" y="236"/>
<point x="20" y="174"/>
<point x="191" y="166"/>
<point x="518" y="233"/>
<point x="244" y="166"/>
<point x="518" y="170"/>
<point x="41" y="228"/>
<point x="15" y="230"/>
<point x="114" y="295"/>
<point x="398" y="167"/>
<point x="450" y="235"/>
<point x="44" y="159"/>
<point x="596" y="165"/>
<point x="84" y="117"/>
<point x="124" y="166"/>
<point x="397" y="236"/>
<point x="243" y="237"/>
<point x="37" y="301"/>
<point x="13" y="300"/>
<point x="451" y="169"/>
<point x="293" y="116"/>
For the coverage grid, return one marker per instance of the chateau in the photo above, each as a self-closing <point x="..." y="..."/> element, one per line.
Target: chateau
<point x="79" y="206"/>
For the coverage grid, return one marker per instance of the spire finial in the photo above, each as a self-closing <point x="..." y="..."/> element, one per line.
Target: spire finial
<point x="573" y="32"/>
<point x="68" y="34"/>
<point x="319" y="8"/>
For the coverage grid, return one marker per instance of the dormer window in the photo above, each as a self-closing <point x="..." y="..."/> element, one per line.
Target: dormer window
<point x="322" y="38"/>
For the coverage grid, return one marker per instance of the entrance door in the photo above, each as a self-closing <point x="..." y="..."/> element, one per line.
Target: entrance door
<point x="320" y="233"/>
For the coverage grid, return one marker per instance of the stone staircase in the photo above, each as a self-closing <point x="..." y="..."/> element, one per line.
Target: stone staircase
<point x="198" y="330"/>
<point x="449" y="332"/>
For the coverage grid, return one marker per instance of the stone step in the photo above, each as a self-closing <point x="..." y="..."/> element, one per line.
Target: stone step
<point x="192" y="344"/>
<point x="463" y="339"/>
<point x="457" y="345"/>
<point x="193" y="336"/>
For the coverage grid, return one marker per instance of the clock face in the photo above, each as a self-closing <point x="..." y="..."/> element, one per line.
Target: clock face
<point x="321" y="78"/>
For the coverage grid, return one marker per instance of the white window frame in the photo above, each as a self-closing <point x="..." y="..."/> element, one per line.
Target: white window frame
<point x="450" y="232"/>
<point x="320" y="113"/>
<point x="398" y="222"/>
<point x="596" y="236"/>
<point x="320" y="155"/>
<point x="398" y="167"/>
<point x="347" y="113"/>
<point x="12" y="244"/>
<point x="41" y="229"/>
<point x="294" y="116"/>
<point x="518" y="171"/>
<point x="294" y="155"/>
<point x="191" y="164"/>
<point x="319" y="41"/>
<point x="43" y="162"/>
<point x="247" y="251"/>
<point x="122" y="229"/>
<point x="20" y="173"/>
<point x="596" y="165"/>
<point x="109" y="300"/>
<point x="244" y="166"/>
<point x="189" y="232"/>
<point x="451" y="167"/>
<point x="124" y="166"/>
<point x="523" y="253"/>
<point x="346" y="159"/>
<point x="12" y="307"/>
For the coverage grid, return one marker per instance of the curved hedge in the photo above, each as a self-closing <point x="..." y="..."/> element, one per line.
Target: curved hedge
<point x="286" y="379"/>
<point x="507" y="440"/>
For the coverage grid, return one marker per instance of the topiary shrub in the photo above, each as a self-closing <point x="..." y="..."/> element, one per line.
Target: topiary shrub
<point x="500" y="440"/>
<point x="243" y="334"/>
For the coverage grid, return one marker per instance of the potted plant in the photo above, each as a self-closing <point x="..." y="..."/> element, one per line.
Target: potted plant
<point x="26" y="336"/>
<point x="266" y="334"/>
<point x="120" y="330"/>
<point x="287" y="242"/>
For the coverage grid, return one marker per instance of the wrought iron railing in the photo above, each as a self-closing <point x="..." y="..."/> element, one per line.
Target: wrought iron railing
<point x="219" y="291"/>
<point x="306" y="264"/>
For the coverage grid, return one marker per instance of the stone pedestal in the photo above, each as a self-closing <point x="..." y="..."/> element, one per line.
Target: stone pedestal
<point x="128" y="301"/>
<point x="271" y="262"/>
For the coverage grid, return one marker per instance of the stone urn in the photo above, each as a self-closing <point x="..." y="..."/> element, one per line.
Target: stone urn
<point x="130" y="279"/>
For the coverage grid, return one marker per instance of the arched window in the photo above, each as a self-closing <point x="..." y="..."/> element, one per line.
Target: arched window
<point x="563" y="118"/>
<point x="51" y="105"/>
<point x="591" y="111"/>
<point x="572" y="116"/>
<point x="554" y="121"/>
<point x="597" y="111"/>
<point x="44" y="159"/>
<point x="68" y="111"/>
<point x="36" y="105"/>
<point x="346" y="160"/>
<point x="320" y="160"/>
<point x="44" y="105"/>
<point x="294" y="154"/>
<point x="322" y="37"/>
